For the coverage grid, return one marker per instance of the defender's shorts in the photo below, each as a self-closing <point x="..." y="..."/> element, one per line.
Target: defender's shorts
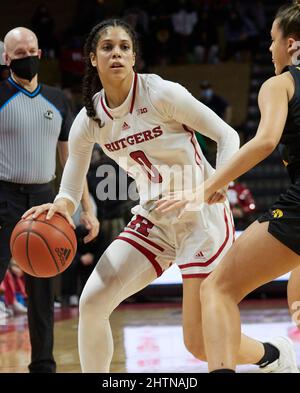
<point x="197" y="242"/>
<point x="284" y="218"/>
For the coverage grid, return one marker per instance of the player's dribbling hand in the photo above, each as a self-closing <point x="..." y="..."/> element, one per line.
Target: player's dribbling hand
<point x="52" y="208"/>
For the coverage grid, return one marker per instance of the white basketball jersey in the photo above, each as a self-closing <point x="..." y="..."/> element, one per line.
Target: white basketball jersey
<point x="151" y="136"/>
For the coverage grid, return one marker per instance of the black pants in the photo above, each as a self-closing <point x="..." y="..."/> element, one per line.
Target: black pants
<point x="15" y="199"/>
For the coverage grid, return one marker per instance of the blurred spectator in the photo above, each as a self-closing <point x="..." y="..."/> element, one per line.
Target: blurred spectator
<point x="42" y="23"/>
<point x="215" y="102"/>
<point x="255" y="11"/>
<point x="242" y="204"/>
<point x="89" y="13"/>
<point x="241" y="36"/>
<point x="184" y="31"/>
<point x="162" y="45"/>
<point x="71" y="61"/>
<point x="222" y="108"/>
<point x="234" y="34"/>
<point x="184" y="20"/>
<point x="205" y="39"/>
<point x="135" y="15"/>
<point x="13" y="287"/>
<point x="74" y="96"/>
<point x="75" y="277"/>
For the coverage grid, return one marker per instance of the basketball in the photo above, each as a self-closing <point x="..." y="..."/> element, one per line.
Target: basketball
<point x="43" y="248"/>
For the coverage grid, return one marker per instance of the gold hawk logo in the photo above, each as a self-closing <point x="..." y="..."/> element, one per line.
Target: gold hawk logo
<point x="285" y="163"/>
<point x="277" y="213"/>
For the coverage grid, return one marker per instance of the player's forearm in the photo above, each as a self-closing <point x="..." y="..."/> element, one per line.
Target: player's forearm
<point x="228" y="144"/>
<point x="245" y="159"/>
<point x="85" y="200"/>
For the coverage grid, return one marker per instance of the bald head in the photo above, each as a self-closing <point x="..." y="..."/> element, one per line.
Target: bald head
<point x="20" y="42"/>
<point x="19" y="36"/>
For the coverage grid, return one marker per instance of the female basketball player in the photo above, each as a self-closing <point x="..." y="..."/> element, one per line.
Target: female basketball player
<point x="146" y="124"/>
<point x="270" y="247"/>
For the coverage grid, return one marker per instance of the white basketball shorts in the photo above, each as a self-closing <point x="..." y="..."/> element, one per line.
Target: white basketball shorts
<point x="197" y="243"/>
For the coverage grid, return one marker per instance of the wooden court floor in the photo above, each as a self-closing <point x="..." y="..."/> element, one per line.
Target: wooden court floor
<point x="147" y="336"/>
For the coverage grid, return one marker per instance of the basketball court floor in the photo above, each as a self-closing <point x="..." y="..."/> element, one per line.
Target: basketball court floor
<point x="148" y="337"/>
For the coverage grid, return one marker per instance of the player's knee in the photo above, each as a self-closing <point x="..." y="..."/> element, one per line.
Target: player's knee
<point x="100" y="300"/>
<point x="208" y="287"/>
<point x="84" y="305"/>
<point x="90" y="304"/>
<point x="216" y="286"/>
<point x="195" y="346"/>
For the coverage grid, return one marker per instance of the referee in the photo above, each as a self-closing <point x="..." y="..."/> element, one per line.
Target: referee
<point x="34" y="122"/>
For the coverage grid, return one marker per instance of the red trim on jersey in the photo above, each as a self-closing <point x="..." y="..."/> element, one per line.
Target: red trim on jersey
<point x="145" y="240"/>
<point x="199" y="275"/>
<point x="233" y="227"/>
<point x="132" y="99"/>
<point x="105" y="110"/>
<point x="133" y="93"/>
<point x="218" y="252"/>
<point x="148" y="254"/>
<point x="191" y="132"/>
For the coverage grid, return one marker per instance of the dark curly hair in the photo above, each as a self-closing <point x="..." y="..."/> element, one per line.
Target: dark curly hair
<point x="91" y="82"/>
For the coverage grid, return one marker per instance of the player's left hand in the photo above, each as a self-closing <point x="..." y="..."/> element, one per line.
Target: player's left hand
<point x="180" y="200"/>
<point x="219" y="196"/>
<point x="91" y="223"/>
<point x="188" y="199"/>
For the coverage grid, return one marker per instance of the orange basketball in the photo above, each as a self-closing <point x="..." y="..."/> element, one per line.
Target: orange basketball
<point x="43" y="248"/>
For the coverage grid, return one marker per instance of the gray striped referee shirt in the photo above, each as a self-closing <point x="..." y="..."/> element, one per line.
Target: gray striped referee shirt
<point x="30" y="126"/>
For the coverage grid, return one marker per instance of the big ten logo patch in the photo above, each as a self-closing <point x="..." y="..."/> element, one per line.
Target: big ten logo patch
<point x="141" y="111"/>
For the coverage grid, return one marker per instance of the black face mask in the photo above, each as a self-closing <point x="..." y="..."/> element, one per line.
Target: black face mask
<point x="25" y="68"/>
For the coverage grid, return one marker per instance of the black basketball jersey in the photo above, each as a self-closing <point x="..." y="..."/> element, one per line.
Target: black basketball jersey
<point x="289" y="145"/>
